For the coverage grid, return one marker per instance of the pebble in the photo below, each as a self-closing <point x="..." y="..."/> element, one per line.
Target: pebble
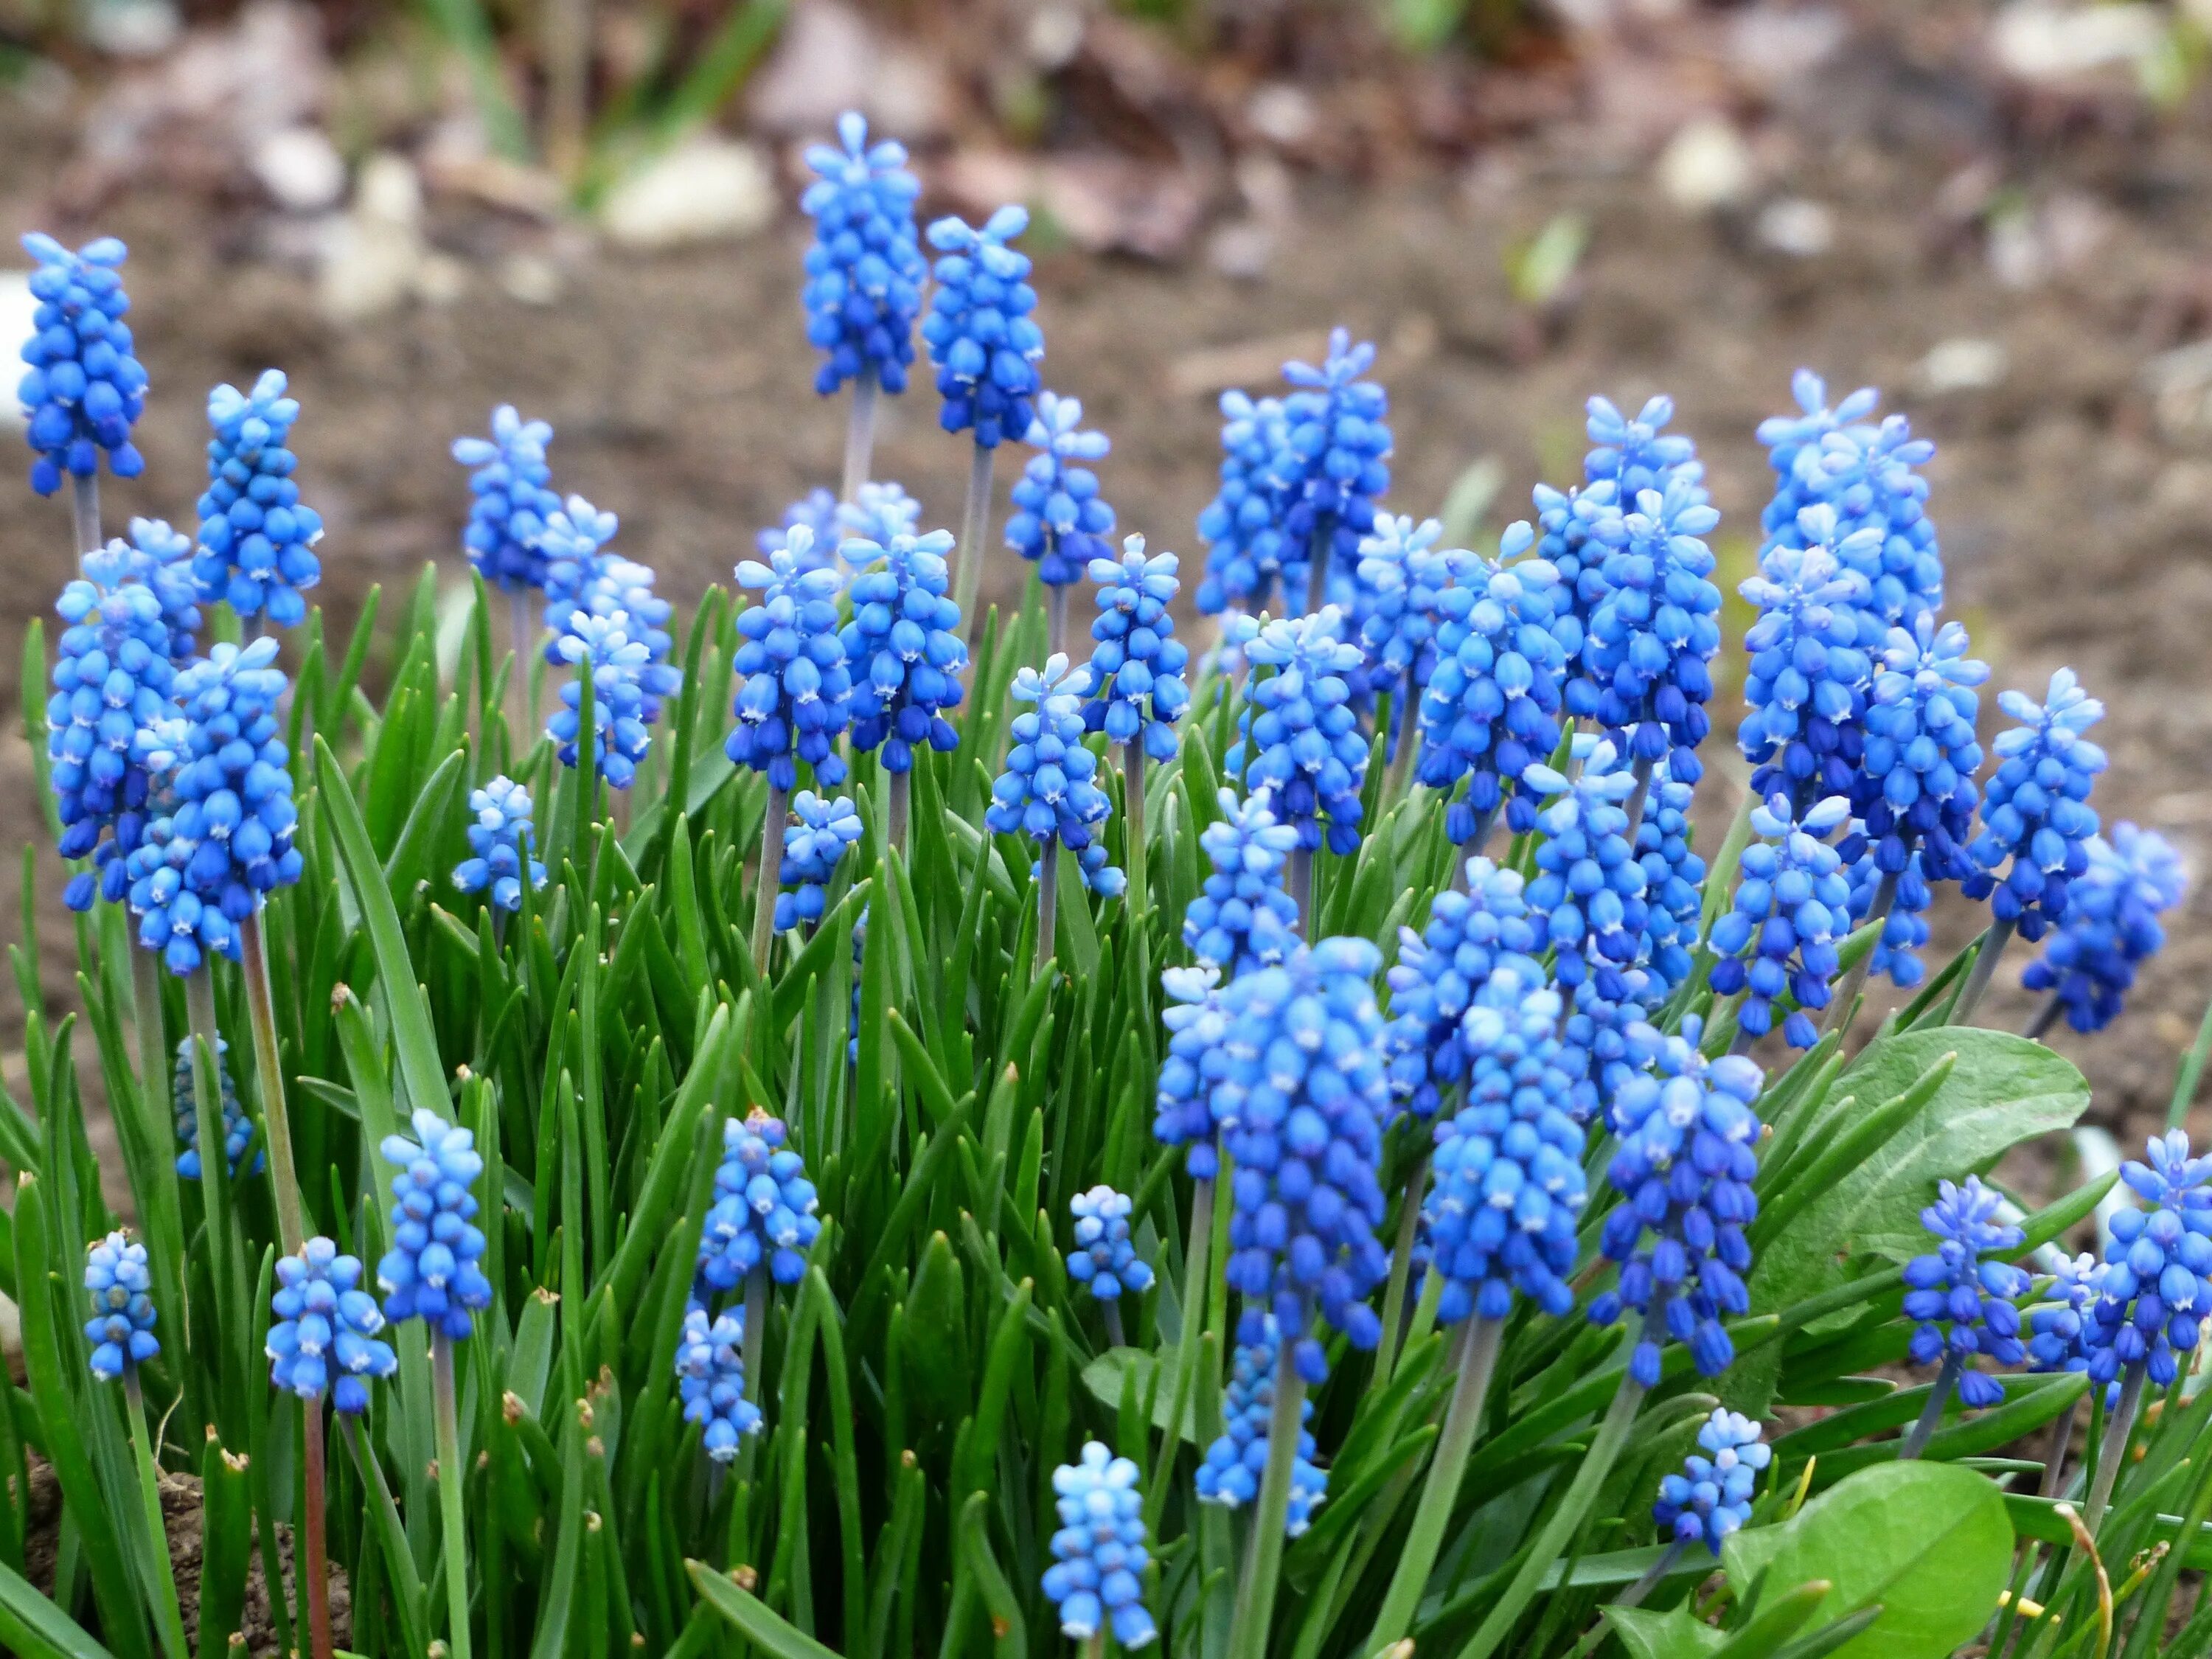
<point x="708" y="190"/>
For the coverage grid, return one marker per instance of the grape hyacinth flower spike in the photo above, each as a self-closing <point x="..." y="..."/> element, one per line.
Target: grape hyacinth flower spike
<point x="503" y="846"/>
<point x="1049" y="790"/>
<point x="1242" y="916"/>
<point x="1476" y="929"/>
<point x="1235" y="1464"/>
<point x="1137" y="689"/>
<point x="1962" y="1302"/>
<point x="256" y="537"/>
<point x="864" y="276"/>
<point x="1096" y="1577"/>
<point x="813" y="844"/>
<point x="1298" y="739"/>
<point x="612" y="662"/>
<point x="1246" y="553"/>
<point x="1060" y="522"/>
<point x="1790" y="913"/>
<point x="1810" y="670"/>
<point x="237" y="1127"/>
<point x="576" y="540"/>
<point x="906" y="652"/>
<point x="1401" y="577"/>
<point x="1104" y="1260"/>
<point x="2111" y="928"/>
<point x="1331" y="465"/>
<point x="325" y="1337"/>
<point x="818" y="510"/>
<point x="512" y="500"/>
<point x="710" y="1380"/>
<point x="1708" y="1497"/>
<point x="761" y="1226"/>
<point x="1589" y="886"/>
<point x="82" y="389"/>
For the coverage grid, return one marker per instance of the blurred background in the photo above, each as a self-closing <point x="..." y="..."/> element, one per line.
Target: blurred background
<point x="2000" y="214"/>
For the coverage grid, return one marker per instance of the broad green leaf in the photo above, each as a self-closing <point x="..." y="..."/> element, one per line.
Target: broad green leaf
<point x="751" y="1616"/>
<point x="1670" y="1635"/>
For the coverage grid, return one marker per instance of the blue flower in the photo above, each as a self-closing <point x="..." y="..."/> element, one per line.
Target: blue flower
<point x="112" y="676"/>
<point x="864" y="271"/>
<point x="1241" y="915"/>
<point x="1684" y="1164"/>
<point x="602" y="647"/>
<point x="573" y="541"/>
<point x="794" y="700"/>
<point x="1096" y="1577"/>
<point x="1491" y="709"/>
<point x="2035" y="812"/>
<point x="1402" y="575"/>
<point x="1674" y="884"/>
<point x="237" y="1127"/>
<point x="1590" y="888"/>
<point x="1298" y="736"/>
<point x="1330" y="462"/>
<point x="430" y="1272"/>
<point x="1711" y="1496"/>
<point x="1470" y="936"/>
<point x="1810" y="669"/>
<point x="1183" y="1099"/>
<point x="813" y="841"/>
<point x="1137" y="689"/>
<point x="257" y="540"/>
<point x="1790" y="913"/>
<point x="513" y="500"/>
<point x="1104" y="1260"/>
<point x="979" y="329"/>
<point x="1508" y="1181"/>
<point x="903" y="645"/>
<point x="2059" y="1327"/>
<point x="325" y="1323"/>
<point x="763" y="1211"/>
<point x="164" y="561"/>
<point x="121" y="1329"/>
<point x="2112" y="925"/>
<point x="1246" y="553"/>
<point x="83" y="390"/>
<point x="882" y="512"/>
<point x="1048" y="790"/>
<point x="1235" y="1464"/>
<point x="621" y="591"/>
<point x="2154" y="1290"/>
<point x="1060" y="522"/>
<point x="172" y="918"/>
<point x="1299" y="1087"/>
<point x="710" y="1379"/>
<point x="1963" y="1304"/>
<point x="819" y="511"/>
<point x="500" y="838"/>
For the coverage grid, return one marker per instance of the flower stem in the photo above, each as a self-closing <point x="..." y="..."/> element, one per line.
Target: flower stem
<point x="1931" y="1414"/>
<point x="1132" y="839"/>
<point x="1634" y="1595"/>
<point x="206" y="1120"/>
<point x="1055" y="611"/>
<point x="975" y="526"/>
<point x="1477" y="1358"/>
<point x="1641" y="772"/>
<point x="2062" y="1441"/>
<point x="901" y="793"/>
<point x="1110" y="1310"/>
<point x="1299" y="883"/>
<point x="859" y="435"/>
<point x="2115" y="1448"/>
<point x="268" y="1065"/>
<point x="521" y="640"/>
<point x="1409" y="739"/>
<point x="1847" y="993"/>
<point x="1047" y="897"/>
<point x="311" y="1527"/>
<point x="771" y="875"/>
<point x="452" y="1526"/>
<point x="749" y="1355"/>
<point x="1196" y="1281"/>
<point x="1402" y="1267"/>
<point x="2045" y="1018"/>
<point x="1263" y="1561"/>
<point x="157" y="1532"/>
<point x="1985" y="968"/>
<point x="1317" y="552"/>
<point x="84" y="502"/>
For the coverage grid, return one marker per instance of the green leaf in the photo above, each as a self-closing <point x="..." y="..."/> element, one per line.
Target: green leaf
<point x="1930" y="1543"/>
<point x="1671" y="1635"/>
<point x="34" y="1627"/>
<point x="774" y="1638"/>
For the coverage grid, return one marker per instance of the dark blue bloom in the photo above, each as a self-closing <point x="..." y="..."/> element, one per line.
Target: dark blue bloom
<point x="1711" y="1496"/>
<point x="1683" y="1166"/>
<point x="763" y="1211"/>
<point x="513" y="500"/>
<point x="864" y="271"/>
<point x="814" y="841"/>
<point x="1060" y="522"/>
<point x="980" y="333"/>
<point x="501" y="839"/>
<point x="1673" y="878"/>
<point x="1440" y="971"/>
<point x="256" y="538"/>
<point x="797" y="686"/>
<point x="1048" y="790"/>
<point x="430" y="1272"/>
<point x="84" y="390"/>
<point x="1235" y="1464"/>
<point x="1330" y="465"/>
<point x="1096" y="1577"/>
<point x="1300" y="1088"/>
<point x="2112" y="925"/>
<point x="1508" y="1184"/>
<point x="324" y="1333"/>
<point x="237" y="1127"/>
<point x="602" y="647"/>
<point x="1810" y="670"/>
<point x="1137" y="689"/>
<point x="903" y="645"/>
<point x="1402" y="575"/>
<point x="121" y="1329"/>
<point x="2059" y="1327"/>
<point x="1242" y="915"/>
<point x="1789" y="914"/>
<point x="2155" y="1285"/>
<point x="710" y="1379"/>
<point x="1246" y="554"/>
<point x="1298" y="736"/>
<point x="818" y="510"/>
<point x="2035" y="812"/>
<point x="1104" y="1260"/>
<point x="1590" y="888"/>
<point x="1963" y="1303"/>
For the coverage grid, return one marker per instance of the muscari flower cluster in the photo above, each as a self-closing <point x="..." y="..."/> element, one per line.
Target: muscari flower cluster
<point x="1235" y="1463"/>
<point x="1589" y="886"/>
<point x="2112" y="925"/>
<point x="1470" y="937"/>
<point x="795" y="698"/>
<point x="1673" y="877"/>
<point x="710" y="1379"/>
<point x="979" y="329"/>
<point x="864" y="271"/>
<point x="1684" y="1165"/>
<point x="2154" y="1287"/>
<point x="1060" y="522"/>
<point x="83" y="390"/>
<point x="1400" y="580"/>
<point x="1330" y="465"/>
<point x="1096" y="1579"/>
<point x="1241" y="915"/>
<point x="501" y="839"/>
<point x="512" y="499"/>
<point x="1137" y="689"/>
<point x="1711" y="1497"/>
<point x="817" y="511"/>
<point x="763" y="1211"/>
<point x="1298" y="736"/>
<point x="2036" y="820"/>
<point x="324" y="1336"/>
<point x="1790" y="913"/>
<point x="814" y="841"/>
<point x="603" y="649"/>
<point x="1809" y="669"/>
<point x="903" y="645"/>
<point x="121" y="1329"/>
<point x="1048" y="790"/>
<point x="1247" y="552"/>
<point x="237" y="1127"/>
<point x="1104" y="1260"/>
<point x="574" y="543"/>
<point x="1961" y="1299"/>
<point x="255" y="539"/>
<point x="431" y="1270"/>
<point x="1579" y="526"/>
<point x="2059" y="1326"/>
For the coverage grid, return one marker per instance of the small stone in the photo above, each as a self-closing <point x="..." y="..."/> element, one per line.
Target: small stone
<point x="530" y="278"/>
<point x="132" y="28"/>
<point x="1241" y="249"/>
<point x="1792" y="225"/>
<point x="1055" y="35"/>
<point x="2036" y="40"/>
<point x="300" y="169"/>
<point x="708" y="190"/>
<point x="373" y="257"/>
<point x="1283" y="115"/>
<point x="1962" y="365"/>
<point x="17" y="307"/>
<point x="1706" y="165"/>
